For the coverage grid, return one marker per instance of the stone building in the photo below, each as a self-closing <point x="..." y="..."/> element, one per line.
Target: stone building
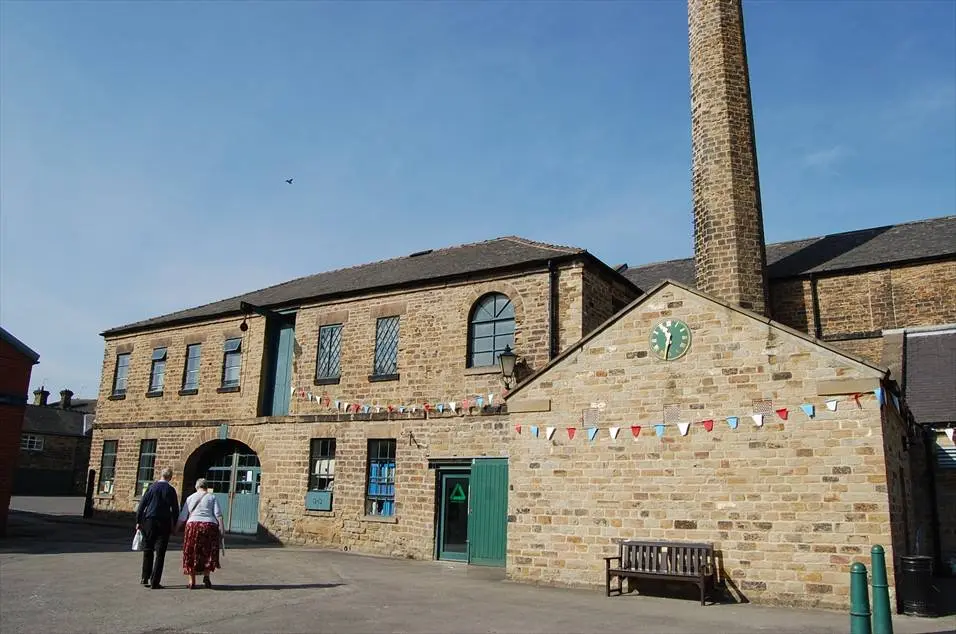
<point x="16" y="365"/>
<point x="363" y="409"/>
<point x="55" y="445"/>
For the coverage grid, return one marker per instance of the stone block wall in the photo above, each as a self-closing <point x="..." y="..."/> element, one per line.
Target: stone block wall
<point x="788" y="505"/>
<point x="603" y="297"/>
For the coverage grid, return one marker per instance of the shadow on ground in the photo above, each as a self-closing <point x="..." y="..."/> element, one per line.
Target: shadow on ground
<point x="274" y="586"/>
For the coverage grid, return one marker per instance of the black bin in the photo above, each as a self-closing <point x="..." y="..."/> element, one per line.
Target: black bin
<point x="917" y="591"/>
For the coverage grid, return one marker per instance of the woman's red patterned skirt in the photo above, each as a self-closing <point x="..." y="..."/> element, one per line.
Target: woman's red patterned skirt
<point x="200" y="548"/>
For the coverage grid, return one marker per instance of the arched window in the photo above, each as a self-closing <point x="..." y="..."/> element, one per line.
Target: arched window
<point x="491" y="327"/>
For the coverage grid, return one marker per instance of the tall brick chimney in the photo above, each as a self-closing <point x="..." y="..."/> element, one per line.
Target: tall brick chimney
<point x="729" y="252"/>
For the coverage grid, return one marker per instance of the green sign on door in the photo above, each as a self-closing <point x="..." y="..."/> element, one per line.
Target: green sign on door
<point x="458" y="494"/>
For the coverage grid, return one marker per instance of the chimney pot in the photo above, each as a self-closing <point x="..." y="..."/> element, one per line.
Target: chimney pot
<point x="66" y="399"/>
<point x="40" y="396"/>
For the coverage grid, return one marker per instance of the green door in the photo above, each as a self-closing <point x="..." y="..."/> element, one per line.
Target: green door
<point x="488" y="515"/>
<point x="277" y="390"/>
<point x="453" y="516"/>
<point x="234" y="478"/>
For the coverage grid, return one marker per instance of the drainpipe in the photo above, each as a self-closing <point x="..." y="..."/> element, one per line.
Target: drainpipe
<point x="815" y="307"/>
<point x="552" y="310"/>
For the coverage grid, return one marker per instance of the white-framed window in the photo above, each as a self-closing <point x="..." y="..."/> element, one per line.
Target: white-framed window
<point x="157" y="373"/>
<point x="31" y="442"/>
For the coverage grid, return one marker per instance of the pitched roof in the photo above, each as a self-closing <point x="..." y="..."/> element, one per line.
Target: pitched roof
<point x="893" y="244"/>
<point x="424" y="266"/>
<point x="52" y="420"/>
<point x="18" y="345"/>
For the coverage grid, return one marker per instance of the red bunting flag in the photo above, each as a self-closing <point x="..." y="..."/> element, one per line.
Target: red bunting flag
<point x="518" y="428"/>
<point x="326" y="401"/>
<point x="427" y="407"/>
<point x="856" y="397"/>
<point x="636" y="430"/>
<point x="783" y="413"/>
<point x="708" y="425"/>
<point x="391" y="408"/>
<point x="571" y="431"/>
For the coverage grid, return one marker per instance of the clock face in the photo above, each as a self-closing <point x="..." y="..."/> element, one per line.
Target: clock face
<point x="670" y="339"/>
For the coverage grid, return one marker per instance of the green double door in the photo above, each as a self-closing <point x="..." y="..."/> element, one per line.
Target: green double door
<point x="235" y="479"/>
<point x="473" y="512"/>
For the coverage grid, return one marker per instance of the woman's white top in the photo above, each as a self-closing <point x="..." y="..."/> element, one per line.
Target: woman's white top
<point x="201" y="507"/>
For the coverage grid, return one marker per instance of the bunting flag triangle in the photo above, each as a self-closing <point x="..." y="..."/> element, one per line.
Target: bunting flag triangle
<point x="518" y="428"/>
<point x="310" y="397"/>
<point x="534" y="431"/>
<point x="878" y="393"/>
<point x="808" y="409"/>
<point x="592" y="433"/>
<point x="896" y="401"/>
<point x="758" y="420"/>
<point x="366" y="409"/>
<point x="451" y="406"/>
<point x="549" y="432"/>
<point x="571" y="431"/>
<point x="414" y="408"/>
<point x="856" y="398"/>
<point x="659" y="430"/>
<point x="614" y="431"/>
<point x="783" y="413"/>
<point x="491" y="399"/>
<point x="635" y="431"/>
<point x="337" y="404"/>
<point x="401" y="409"/>
<point x="708" y="425"/>
<point x="732" y="422"/>
<point x="480" y="401"/>
<point x="832" y="405"/>
<point x="949" y="433"/>
<point x="441" y="408"/>
<point x="683" y="427"/>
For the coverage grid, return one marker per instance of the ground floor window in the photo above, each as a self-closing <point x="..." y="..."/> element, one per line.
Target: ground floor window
<point x="147" y="465"/>
<point x="380" y="493"/>
<point x="107" y="467"/>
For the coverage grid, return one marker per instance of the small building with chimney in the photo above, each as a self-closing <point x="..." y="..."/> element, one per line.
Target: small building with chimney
<point x="55" y="445"/>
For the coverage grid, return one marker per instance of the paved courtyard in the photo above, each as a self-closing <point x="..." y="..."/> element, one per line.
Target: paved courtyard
<point x="60" y="575"/>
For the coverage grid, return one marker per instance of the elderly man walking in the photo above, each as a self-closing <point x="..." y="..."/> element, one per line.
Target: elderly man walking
<point x="156" y="517"/>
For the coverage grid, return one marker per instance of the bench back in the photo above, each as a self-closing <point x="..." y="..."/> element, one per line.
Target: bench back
<point x="671" y="558"/>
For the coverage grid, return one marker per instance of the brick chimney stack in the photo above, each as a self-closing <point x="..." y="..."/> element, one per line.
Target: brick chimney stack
<point x="729" y="251"/>
<point x="40" y="396"/>
<point x="66" y="399"/>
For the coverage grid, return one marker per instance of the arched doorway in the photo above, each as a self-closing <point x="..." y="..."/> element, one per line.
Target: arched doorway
<point x="234" y="476"/>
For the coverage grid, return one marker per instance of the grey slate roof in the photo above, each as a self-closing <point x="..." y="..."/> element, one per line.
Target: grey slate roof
<point x="52" y="420"/>
<point x="920" y="240"/>
<point x="499" y="253"/>
<point x="930" y="380"/>
<point x="23" y="348"/>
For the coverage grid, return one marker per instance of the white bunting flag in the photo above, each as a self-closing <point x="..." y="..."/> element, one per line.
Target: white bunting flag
<point x="683" y="427"/>
<point x="414" y="408"/>
<point x="832" y="405"/>
<point x="548" y="432"/>
<point x="491" y="399"/>
<point x="337" y="404"/>
<point x="949" y="432"/>
<point x="614" y="431"/>
<point x="452" y="405"/>
<point x="758" y="420"/>
<point x="346" y="404"/>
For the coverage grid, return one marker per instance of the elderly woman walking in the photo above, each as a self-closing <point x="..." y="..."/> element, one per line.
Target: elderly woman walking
<point x="203" y="519"/>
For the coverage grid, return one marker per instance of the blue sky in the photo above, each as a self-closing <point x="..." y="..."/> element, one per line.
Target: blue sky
<point x="143" y="146"/>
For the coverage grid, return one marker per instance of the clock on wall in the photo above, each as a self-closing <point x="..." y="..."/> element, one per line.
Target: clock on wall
<point x="670" y="339"/>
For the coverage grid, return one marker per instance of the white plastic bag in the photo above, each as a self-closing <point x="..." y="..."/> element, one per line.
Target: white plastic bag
<point x="138" y="540"/>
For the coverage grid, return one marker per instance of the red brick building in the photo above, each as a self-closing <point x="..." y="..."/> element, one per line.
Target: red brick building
<point x="16" y="364"/>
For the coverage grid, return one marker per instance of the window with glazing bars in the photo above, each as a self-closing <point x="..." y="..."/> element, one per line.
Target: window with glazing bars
<point x="107" y="467"/>
<point x="491" y="330"/>
<point x="322" y="463"/>
<point x="231" y="362"/>
<point x="30" y="442"/>
<point x="147" y="463"/>
<point x="386" y="346"/>
<point x="191" y="373"/>
<point x="330" y="346"/>
<point x="121" y="374"/>
<point x="157" y="373"/>
<point x="380" y="493"/>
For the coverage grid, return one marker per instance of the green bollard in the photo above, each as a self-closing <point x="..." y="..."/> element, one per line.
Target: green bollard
<point x="859" y="600"/>
<point x="882" y="621"/>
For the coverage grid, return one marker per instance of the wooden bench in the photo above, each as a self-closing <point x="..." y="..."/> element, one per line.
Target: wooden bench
<point x="674" y="561"/>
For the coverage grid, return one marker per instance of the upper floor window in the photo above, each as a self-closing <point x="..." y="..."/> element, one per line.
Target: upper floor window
<point x="491" y="329"/>
<point x="121" y="374"/>
<point x="107" y="467"/>
<point x="31" y="442"/>
<point x="231" y="362"/>
<point x="191" y="373"/>
<point x="330" y="346"/>
<point x="386" y="347"/>
<point x="157" y="372"/>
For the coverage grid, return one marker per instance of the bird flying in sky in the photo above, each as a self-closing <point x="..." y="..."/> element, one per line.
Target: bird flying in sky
<point x="289" y="180"/>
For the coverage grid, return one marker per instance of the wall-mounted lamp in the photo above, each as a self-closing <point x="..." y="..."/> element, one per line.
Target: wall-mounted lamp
<point x="507" y="360"/>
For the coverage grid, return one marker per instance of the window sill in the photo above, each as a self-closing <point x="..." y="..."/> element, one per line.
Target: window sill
<point x="330" y="380"/>
<point x="320" y="513"/>
<point x="378" y="519"/>
<point x="227" y="390"/>
<point x="153" y="394"/>
<point x="378" y="378"/>
<point x="188" y="392"/>
<point x="117" y="397"/>
<point x="104" y="496"/>
<point x="487" y="369"/>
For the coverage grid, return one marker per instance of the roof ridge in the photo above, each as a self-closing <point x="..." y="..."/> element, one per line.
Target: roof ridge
<point x="544" y="245"/>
